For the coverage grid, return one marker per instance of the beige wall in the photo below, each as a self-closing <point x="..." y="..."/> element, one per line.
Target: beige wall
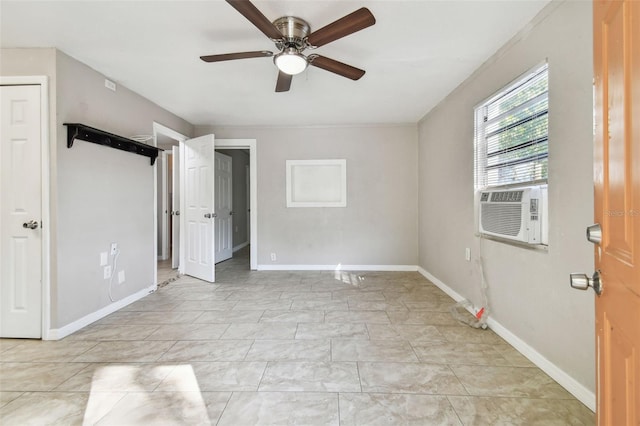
<point x="379" y="224"/>
<point x="99" y="195"/>
<point x="528" y="289"/>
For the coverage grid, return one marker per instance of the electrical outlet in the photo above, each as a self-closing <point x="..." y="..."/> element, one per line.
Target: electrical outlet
<point x="103" y="258"/>
<point x="467" y="254"/>
<point x="273" y="257"/>
<point x="107" y="272"/>
<point x="114" y="248"/>
<point x="120" y="277"/>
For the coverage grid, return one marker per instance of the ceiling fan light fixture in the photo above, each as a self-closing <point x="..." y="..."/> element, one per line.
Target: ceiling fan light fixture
<point x="290" y="61"/>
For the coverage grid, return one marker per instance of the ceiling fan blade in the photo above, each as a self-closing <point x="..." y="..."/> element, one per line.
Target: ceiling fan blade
<point x="249" y="11"/>
<point x="284" y="82"/>
<point x="356" y="21"/>
<point x="336" y="67"/>
<point x="239" y="55"/>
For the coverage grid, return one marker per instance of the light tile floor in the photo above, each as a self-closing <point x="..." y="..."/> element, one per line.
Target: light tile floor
<point x="166" y="273"/>
<point x="281" y="348"/>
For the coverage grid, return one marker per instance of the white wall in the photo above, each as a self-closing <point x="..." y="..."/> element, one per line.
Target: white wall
<point x="529" y="290"/>
<point x="379" y="224"/>
<point x="99" y="195"/>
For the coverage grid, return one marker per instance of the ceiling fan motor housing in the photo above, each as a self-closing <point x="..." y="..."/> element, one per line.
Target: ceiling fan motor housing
<point x="294" y="31"/>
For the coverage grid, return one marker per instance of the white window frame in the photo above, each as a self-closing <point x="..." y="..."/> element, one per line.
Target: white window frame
<point x="481" y="157"/>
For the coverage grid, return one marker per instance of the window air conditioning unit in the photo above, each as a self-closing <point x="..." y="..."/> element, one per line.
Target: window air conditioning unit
<point x="515" y="214"/>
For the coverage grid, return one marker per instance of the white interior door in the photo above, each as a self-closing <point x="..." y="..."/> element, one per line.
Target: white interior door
<point x="248" y="176"/>
<point x="224" y="207"/>
<point x="199" y="190"/>
<point x="175" y="212"/>
<point x="20" y="213"/>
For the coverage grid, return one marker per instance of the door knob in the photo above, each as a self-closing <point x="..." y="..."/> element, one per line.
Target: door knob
<point x="231" y="213"/>
<point x="594" y="233"/>
<point x="207" y="215"/>
<point x="177" y="212"/>
<point x="32" y="224"/>
<point x="583" y="282"/>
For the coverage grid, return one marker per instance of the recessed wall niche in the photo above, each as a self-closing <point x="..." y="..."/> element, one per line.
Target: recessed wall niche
<point x="317" y="183"/>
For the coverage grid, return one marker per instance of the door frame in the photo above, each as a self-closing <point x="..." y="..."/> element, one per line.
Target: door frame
<point x="43" y="82"/>
<point x="164" y="252"/>
<point x="159" y="129"/>
<point x="249" y="144"/>
<point x="175" y="196"/>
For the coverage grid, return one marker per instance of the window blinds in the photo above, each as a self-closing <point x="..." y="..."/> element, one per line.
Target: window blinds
<point x="511" y="144"/>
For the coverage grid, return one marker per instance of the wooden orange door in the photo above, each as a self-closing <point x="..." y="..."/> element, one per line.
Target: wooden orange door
<point x="616" y="28"/>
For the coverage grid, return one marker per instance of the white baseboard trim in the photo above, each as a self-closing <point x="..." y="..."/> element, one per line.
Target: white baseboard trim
<point x="442" y="286"/>
<point x="240" y="246"/>
<point x="574" y="387"/>
<point x="59" y="333"/>
<point x="388" y="268"/>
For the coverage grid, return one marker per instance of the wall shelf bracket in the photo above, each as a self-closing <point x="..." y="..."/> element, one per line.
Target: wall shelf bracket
<point x="90" y="134"/>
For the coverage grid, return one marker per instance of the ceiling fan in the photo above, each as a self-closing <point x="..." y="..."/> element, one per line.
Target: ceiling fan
<point x="292" y="37"/>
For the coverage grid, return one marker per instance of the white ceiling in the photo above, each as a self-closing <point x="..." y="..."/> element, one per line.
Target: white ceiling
<point x="416" y="53"/>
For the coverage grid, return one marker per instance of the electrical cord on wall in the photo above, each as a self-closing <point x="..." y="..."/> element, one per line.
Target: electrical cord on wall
<point x="113" y="272"/>
<point x="484" y="286"/>
<point x="480" y="317"/>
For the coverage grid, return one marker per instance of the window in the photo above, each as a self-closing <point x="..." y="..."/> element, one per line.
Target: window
<point x="511" y="133"/>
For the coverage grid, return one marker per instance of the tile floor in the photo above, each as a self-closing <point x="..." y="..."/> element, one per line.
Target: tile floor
<point x="165" y="273"/>
<point x="281" y="348"/>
